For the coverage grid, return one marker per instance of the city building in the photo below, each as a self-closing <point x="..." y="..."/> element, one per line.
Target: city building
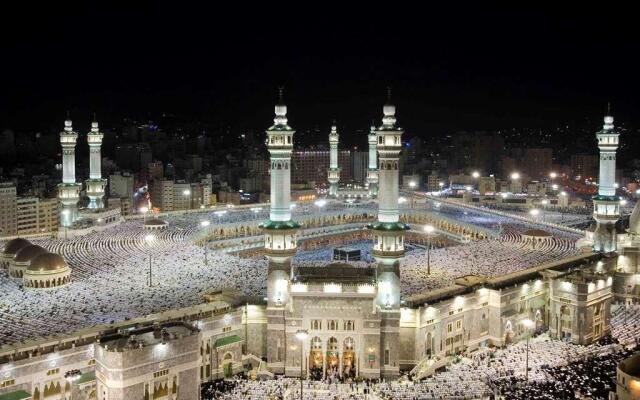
<point x="8" y="207"/>
<point x="35" y="215"/>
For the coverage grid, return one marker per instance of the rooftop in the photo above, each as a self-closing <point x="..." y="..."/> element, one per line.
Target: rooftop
<point x="336" y="273"/>
<point x="133" y="338"/>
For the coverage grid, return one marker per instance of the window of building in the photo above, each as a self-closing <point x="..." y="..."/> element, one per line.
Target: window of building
<point x="458" y="324"/>
<point x="316" y="324"/>
<point x="7" y="383"/>
<point x="449" y="327"/>
<point x="349" y="325"/>
<point x="162" y="373"/>
<point x="332" y="325"/>
<point x="53" y="371"/>
<point x="226" y="329"/>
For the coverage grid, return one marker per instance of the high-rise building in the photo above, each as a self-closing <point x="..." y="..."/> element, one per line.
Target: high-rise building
<point x="36" y="215"/>
<point x="312" y="166"/>
<point x="155" y="170"/>
<point x="161" y="194"/>
<point x="121" y="185"/>
<point x="537" y="162"/>
<point x="8" y="198"/>
<point x="359" y="166"/>
<point x="584" y="165"/>
<point x="606" y="205"/>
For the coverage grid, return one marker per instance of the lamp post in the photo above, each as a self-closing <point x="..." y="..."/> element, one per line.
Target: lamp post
<point x="256" y="210"/>
<point x="441" y="185"/>
<point x="144" y="211"/>
<point x="528" y="324"/>
<point x="412" y="185"/>
<point x="514" y="178"/>
<point x="219" y="214"/>
<point x="534" y="213"/>
<point x="429" y="229"/>
<point x="187" y="192"/>
<point x="66" y="213"/>
<point x="205" y="224"/>
<point x="149" y="239"/>
<point x="301" y="335"/>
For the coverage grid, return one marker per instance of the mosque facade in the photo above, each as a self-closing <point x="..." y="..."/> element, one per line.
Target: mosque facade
<point x="316" y="322"/>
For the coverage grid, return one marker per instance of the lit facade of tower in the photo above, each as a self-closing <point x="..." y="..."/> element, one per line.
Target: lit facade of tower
<point x="68" y="190"/>
<point x="280" y="239"/>
<point x="95" y="184"/>
<point x="388" y="246"/>
<point x="372" y="170"/>
<point x="606" y="205"/>
<point x="333" y="173"/>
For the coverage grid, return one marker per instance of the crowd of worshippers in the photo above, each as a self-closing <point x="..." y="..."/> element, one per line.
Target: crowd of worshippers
<point x="589" y="378"/>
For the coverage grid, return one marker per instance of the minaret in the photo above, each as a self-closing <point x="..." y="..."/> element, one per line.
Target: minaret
<point x="280" y="241"/>
<point x="333" y="172"/>
<point x="388" y="246"/>
<point x="372" y="171"/>
<point x="95" y="184"/>
<point x="606" y="205"/>
<point x="68" y="190"/>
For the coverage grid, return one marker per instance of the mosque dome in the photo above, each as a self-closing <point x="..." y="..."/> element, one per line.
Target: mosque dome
<point x="28" y="253"/>
<point x="48" y="262"/>
<point x="14" y="245"/>
<point x="634" y="220"/>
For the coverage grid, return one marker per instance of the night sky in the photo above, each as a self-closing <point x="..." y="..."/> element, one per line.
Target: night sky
<point x="459" y="68"/>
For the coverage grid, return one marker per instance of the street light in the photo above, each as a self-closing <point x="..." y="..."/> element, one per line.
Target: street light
<point x="534" y="212"/>
<point x="66" y="213"/>
<point x="528" y="324"/>
<point x="301" y="335"/>
<point x="623" y="202"/>
<point x="553" y="175"/>
<point x="515" y="176"/>
<point x="320" y="203"/>
<point x="205" y="224"/>
<point x="219" y="214"/>
<point x="187" y="192"/>
<point x="412" y="185"/>
<point x="475" y="174"/>
<point x="149" y="239"/>
<point x="144" y="211"/>
<point x="429" y="229"/>
<point x="256" y="210"/>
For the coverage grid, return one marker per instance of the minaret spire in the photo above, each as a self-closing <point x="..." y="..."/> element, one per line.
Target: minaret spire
<point x="388" y="231"/>
<point x="372" y="170"/>
<point x="68" y="190"/>
<point x="606" y="205"/>
<point x="280" y="231"/>
<point x="333" y="173"/>
<point x="95" y="184"/>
